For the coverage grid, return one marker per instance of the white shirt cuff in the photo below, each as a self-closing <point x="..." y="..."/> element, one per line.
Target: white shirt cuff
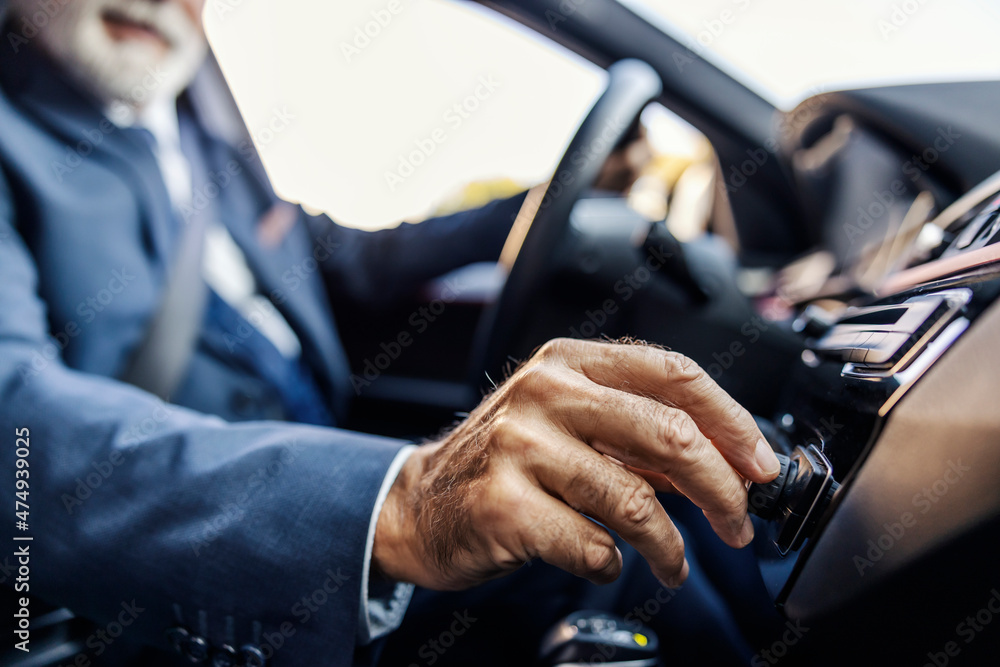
<point x="381" y="615"/>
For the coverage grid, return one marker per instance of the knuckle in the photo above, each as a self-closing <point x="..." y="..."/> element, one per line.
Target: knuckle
<point x="733" y="419"/>
<point x="556" y="348"/>
<point x="501" y="497"/>
<point x="512" y="435"/>
<point x="493" y="500"/>
<point x="737" y="415"/>
<point x="513" y="499"/>
<point x="638" y="505"/>
<point x="589" y="494"/>
<point x="681" y="369"/>
<point x="734" y="500"/>
<point x="605" y="406"/>
<point x="677" y="433"/>
<point x="501" y="425"/>
<point x="676" y="557"/>
<point x="541" y="380"/>
<point x="504" y="558"/>
<point x="597" y="558"/>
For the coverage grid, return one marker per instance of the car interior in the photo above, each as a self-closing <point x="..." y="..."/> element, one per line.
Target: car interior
<point x="843" y="292"/>
<point x="873" y="214"/>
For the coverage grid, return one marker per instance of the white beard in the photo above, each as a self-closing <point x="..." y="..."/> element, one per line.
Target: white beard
<point x="130" y="72"/>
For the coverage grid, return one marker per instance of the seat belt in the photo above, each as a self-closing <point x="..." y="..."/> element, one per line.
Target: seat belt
<point x="159" y="363"/>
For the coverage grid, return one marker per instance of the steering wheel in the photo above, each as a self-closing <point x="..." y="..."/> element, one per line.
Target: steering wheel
<point x="544" y="220"/>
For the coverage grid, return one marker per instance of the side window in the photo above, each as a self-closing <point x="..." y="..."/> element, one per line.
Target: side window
<point x="377" y="111"/>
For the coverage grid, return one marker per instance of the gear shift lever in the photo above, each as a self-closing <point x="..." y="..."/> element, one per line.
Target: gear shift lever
<point x="595" y="637"/>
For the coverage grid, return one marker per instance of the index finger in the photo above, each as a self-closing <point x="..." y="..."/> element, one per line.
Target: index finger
<point x="677" y="381"/>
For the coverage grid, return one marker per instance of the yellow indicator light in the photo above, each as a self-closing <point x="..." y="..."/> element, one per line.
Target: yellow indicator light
<point x="640" y="639"/>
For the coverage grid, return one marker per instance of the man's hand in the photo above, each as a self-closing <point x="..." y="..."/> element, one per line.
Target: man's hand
<point x="583" y="428"/>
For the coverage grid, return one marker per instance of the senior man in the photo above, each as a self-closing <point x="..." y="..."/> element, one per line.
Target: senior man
<point x="105" y="253"/>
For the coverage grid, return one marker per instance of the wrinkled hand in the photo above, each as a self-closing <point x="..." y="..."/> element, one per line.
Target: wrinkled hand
<point x="581" y="428"/>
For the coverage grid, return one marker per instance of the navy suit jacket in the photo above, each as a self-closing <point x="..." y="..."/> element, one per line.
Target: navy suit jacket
<point x="221" y="526"/>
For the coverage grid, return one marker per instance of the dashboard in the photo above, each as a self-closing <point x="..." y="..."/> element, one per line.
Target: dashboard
<point x="890" y="419"/>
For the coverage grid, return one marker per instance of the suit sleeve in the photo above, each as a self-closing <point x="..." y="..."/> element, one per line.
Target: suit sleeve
<point x="379" y="267"/>
<point x="244" y="533"/>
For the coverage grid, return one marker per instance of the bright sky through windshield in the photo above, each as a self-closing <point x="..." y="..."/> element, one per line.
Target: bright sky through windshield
<point x="788" y="48"/>
<point x="371" y="92"/>
<point x="353" y="108"/>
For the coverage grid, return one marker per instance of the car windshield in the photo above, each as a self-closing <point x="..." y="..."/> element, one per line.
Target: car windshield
<point x="386" y="122"/>
<point x="445" y="106"/>
<point x="788" y="50"/>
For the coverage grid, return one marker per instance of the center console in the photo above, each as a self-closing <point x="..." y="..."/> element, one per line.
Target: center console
<point x="890" y="422"/>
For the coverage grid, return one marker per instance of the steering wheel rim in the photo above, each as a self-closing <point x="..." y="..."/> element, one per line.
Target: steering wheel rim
<point x="632" y="84"/>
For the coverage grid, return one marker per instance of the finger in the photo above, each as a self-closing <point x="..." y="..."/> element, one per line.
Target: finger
<point x="649" y="435"/>
<point x="657" y="480"/>
<point x="591" y="484"/>
<point x="564" y="538"/>
<point x="675" y="380"/>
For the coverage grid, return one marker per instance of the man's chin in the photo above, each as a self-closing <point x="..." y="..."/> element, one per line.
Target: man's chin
<point x="130" y="75"/>
<point x="135" y="73"/>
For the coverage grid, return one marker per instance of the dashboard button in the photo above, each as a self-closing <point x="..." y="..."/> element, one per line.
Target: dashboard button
<point x="883" y="350"/>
